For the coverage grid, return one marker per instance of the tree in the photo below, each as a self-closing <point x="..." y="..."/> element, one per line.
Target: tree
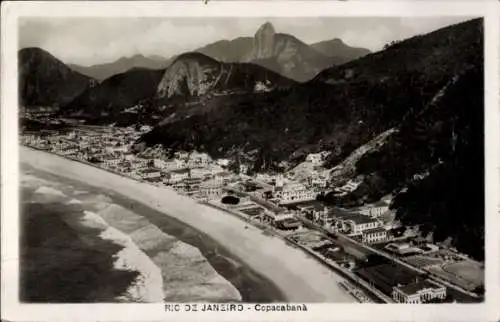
<point x="231" y="200"/>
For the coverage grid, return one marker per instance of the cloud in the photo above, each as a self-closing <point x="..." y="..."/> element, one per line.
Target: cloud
<point x="90" y="41"/>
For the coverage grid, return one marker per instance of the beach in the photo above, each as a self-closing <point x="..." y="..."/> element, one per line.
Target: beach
<point x="297" y="276"/>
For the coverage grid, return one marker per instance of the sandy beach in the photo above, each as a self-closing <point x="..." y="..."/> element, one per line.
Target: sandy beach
<point x="299" y="277"/>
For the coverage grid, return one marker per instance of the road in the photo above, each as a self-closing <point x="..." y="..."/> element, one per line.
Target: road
<point x="457" y="292"/>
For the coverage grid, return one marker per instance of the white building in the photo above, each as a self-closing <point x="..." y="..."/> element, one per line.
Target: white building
<point x="293" y="192"/>
<point x="375" y="210"/>
<point x="418" y="292"/>
<point x="145" y="128"/>
<point x="128" y="156"/>
<point x="315" y="158"/>
<point x="348" y="187"/>
<point x="223" y="162"/>
<point x="199" y="159"/>
<point x="182" y="155"/>
<point x="223" y="177"/>
<point x="211" y="190"/>
<point x="275" y="217"/>
<point x="178" y="175"/>
<point x="356" y="224"/>
<point x="150" y="173"/>
<point x="243" y="168"/>
<point x="110" y="160"/>
<point x="375" y="235"/>
<point x="139" y="163"/>
<point x="319" y="181"/>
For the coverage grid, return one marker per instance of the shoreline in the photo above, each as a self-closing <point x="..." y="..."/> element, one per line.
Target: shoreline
<point x="298" y="277"/>
<point x="252" y="286"/>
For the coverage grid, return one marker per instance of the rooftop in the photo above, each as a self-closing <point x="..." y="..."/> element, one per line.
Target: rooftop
<point x="307" y="204"/>
<point x="416" y="287"/>
<point x="375" y="230"/>
<point x="380" y="204"/>
<point x="180" y="171"/>
<point x="150" y="170"/>
<point x="357" y="218"/>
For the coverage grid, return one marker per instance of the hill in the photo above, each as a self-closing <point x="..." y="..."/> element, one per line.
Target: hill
<point x="144" y="95"/>
<point x="105" y="101"/>
<point x="104" y="71"/>
<point x="341" y="109"/>
<point x="194" y="74"/>
<point x="282" y="53"/>
<point x="408" y="120"/>
<point x="229" y="51"/>
<point x="337" y="49"/>
<point x="46" y="81"/>
<point x="434" y="165"/>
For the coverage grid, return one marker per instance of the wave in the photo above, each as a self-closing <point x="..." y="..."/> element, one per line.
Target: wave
<point x="166" y="268"/>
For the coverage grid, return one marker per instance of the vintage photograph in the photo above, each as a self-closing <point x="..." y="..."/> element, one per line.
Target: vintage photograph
<point x="251" y="160"/>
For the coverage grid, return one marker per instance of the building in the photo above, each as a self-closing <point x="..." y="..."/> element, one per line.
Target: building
<point x="243" y="168"/>
<point x="375" y="235"/>
<point x="139" y="163"/>
<point x="293" y="192"/>
<point x="69" y="150"/>
<point x="319" y="182"/>
<point x="348" y="187"/>
<point x="110" y="160"/>
<point x="188" y="186"/>
<point x="223" y="177"/>
<point x="314" y="210"/>
<point x="315" y="158"/>
<point x="288" y="223"/>
<point x="178" y="175"/>
<point x="181" y="155"/>
<point x="211" y="190"/>
<point x="275" y="217"/>
<point x="150" y="173"/>
<point x="402" y="248"/>
<point x="223" y="162"/>
<point x="264" y="177"/>
<point x="418" y="292"/>
<point x="198" y="159"/>
<point x="145" y="128"/>
<point x="128" y="156"/>
<point x="355" y="224"/>
<point x="375" y="210"/>
<point x="200" y="173"/>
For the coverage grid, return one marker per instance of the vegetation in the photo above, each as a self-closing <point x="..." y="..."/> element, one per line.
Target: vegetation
<point x="342" y="108"/>
<point x="46" y="81"/>
<point x="231" y="200"/>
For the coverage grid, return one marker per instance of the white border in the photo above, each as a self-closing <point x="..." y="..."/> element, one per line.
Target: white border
<point x="11" y="11"/>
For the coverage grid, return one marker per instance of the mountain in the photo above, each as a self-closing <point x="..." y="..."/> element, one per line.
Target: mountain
<point x="338" y="49"/>
<point x="191" y="79"/>
<point x="46" y="81"/>
<point x="435" y="166"/>
<point x="116" y="93"/>
<point x="103" y="71"/>
<point x="282" y="53"/>
<point x="194" y="74"/>
<point x="230" y="51"/>
<point x="341" y="109"/>
<point x="416" y="106"/>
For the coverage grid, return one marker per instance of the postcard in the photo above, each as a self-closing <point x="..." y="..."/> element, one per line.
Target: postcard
<point x="226" y="160"/>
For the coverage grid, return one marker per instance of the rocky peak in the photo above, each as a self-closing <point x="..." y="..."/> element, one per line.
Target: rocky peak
<point x="266" y="29"/>
<point x="264" y="41"/>
<point x="191" y="74"/>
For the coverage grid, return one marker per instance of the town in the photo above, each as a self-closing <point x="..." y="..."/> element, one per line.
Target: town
<point x="382" y="261"/>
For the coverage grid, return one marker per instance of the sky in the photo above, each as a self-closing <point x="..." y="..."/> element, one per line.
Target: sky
<point x="90" y="41"/>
